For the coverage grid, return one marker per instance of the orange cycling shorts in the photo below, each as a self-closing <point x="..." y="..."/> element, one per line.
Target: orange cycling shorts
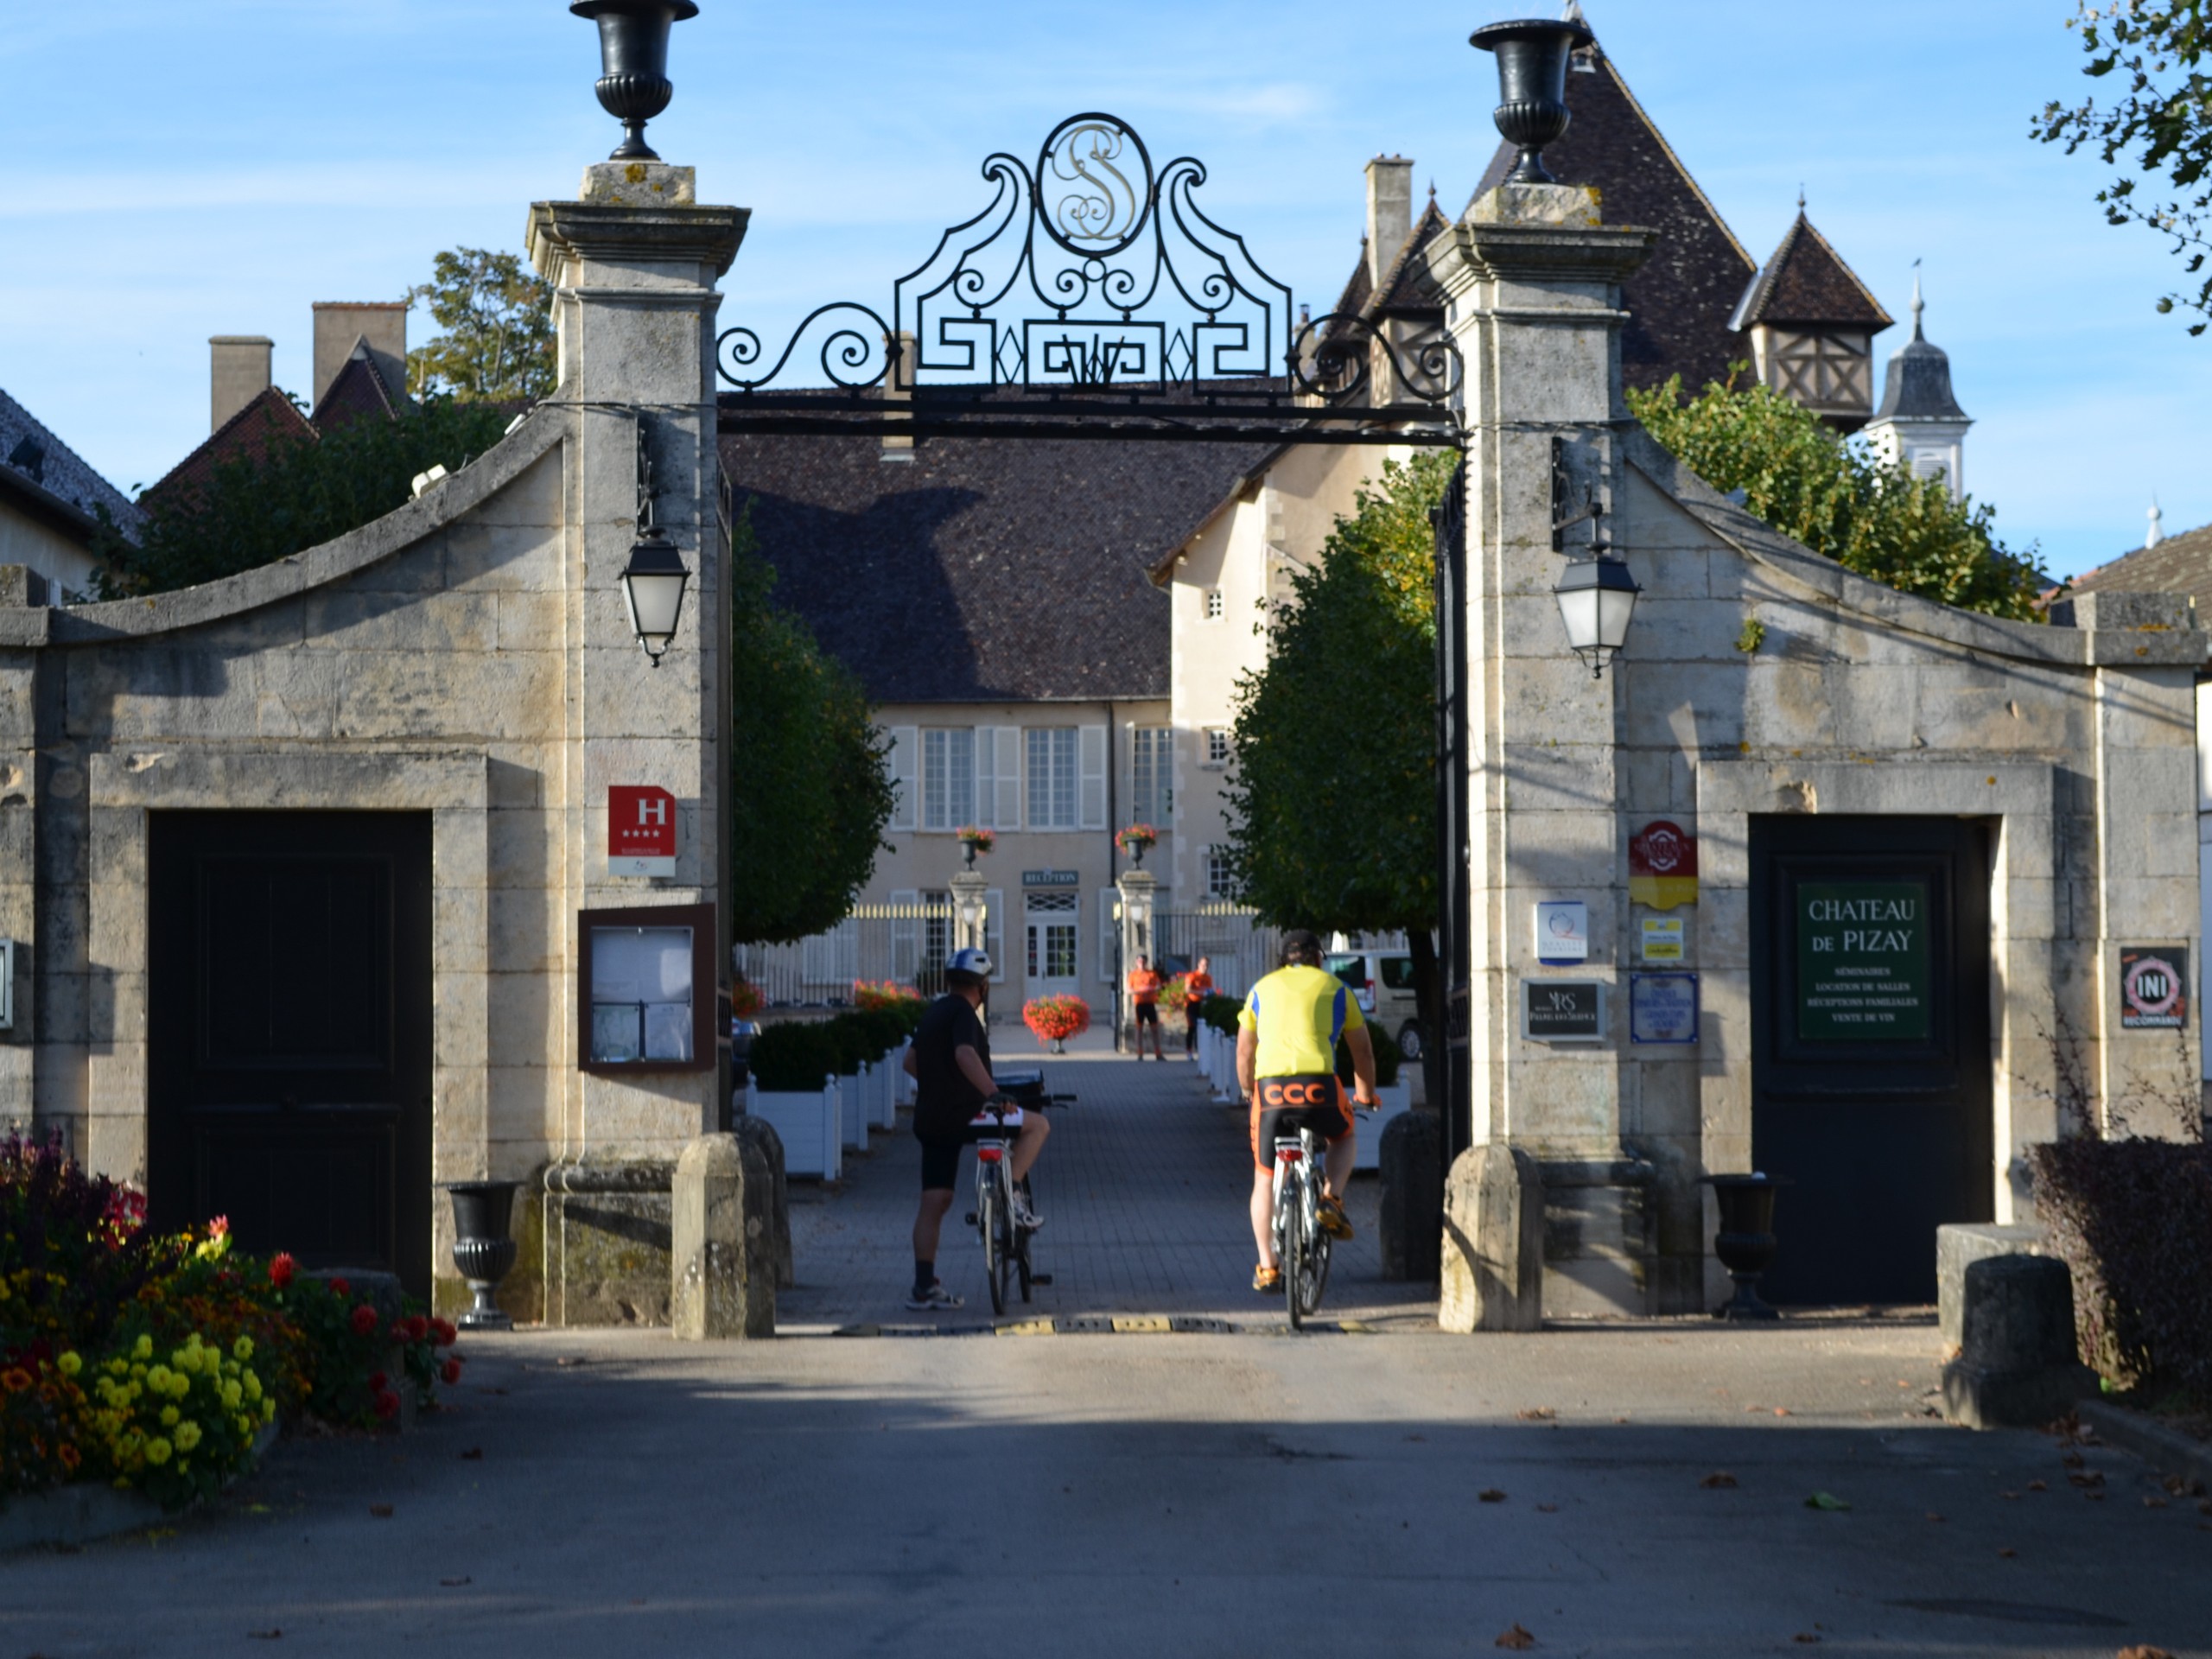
<point x="1282" y="1106"/>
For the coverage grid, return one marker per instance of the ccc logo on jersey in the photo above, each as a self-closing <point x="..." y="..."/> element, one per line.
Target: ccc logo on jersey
<point x="1274" y="1095"/>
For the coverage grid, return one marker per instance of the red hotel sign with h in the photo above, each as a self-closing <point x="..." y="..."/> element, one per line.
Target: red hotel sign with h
<point x="640" y="830"/>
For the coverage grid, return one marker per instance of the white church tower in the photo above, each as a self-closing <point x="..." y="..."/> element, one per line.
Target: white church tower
<point x="1919" y="422"/>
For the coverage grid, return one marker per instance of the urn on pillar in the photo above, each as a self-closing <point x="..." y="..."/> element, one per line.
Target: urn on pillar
<point x="1532" y="55"/>
<point x="633" y="84"/>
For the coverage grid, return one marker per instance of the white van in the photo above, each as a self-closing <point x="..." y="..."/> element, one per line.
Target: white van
<point x="1382" y="981"/>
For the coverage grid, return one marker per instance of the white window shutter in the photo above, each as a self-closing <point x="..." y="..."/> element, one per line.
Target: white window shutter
<point x="995" y="932"/>
<point x="905" y="935"/>
<point x="1091" y="790"/>
<point x="1109" y="935"/>
<point x="1006" y="810"/>
<point x="987" y="778"/>
<point x="904" y="748"/>
<point x="847" y="940"/>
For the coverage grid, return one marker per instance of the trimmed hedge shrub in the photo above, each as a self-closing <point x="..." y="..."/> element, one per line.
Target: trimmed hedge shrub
<point x="1220" y="1013"/>
<point x="793" y="1056"/>
<point x="2133" y="1220"/>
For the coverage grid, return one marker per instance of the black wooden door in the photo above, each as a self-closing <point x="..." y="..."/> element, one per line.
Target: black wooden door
<point x="288" y="1019"/>
<point x="1869" y="1048"/>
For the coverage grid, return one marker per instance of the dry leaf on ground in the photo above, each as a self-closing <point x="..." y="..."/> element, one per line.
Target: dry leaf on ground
<point x="1719" y="1480"/>
<point x="1825" y="1501"/>
<point x="1804" y="1635"/>
<point x="2144" y="1650"/>
<point x="1490" y="1495"/>
<point x="1536" y="1414"/>
<point x="382" y="1511"/>
<point x="2038" y="1487"/>
<point x="1516" y="1637"/>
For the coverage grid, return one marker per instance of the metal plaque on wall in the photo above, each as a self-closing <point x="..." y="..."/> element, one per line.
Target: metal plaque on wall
<point x="1563" y="1010"/>
<point x="2153" y="987"/>
<point x="1863" y="961"/>
<point x="1662" y="1008"/>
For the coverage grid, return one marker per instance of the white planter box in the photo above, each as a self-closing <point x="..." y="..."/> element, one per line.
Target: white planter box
<point x="886" y="1090"/>
<point x="854" y="1091"/>
<point x="902" y="1086"/>
<point x="809" y="1125"/>
<point x="1396" y="1100"/>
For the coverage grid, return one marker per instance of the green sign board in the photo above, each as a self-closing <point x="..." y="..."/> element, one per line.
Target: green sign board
<point x="1862" y="961"/>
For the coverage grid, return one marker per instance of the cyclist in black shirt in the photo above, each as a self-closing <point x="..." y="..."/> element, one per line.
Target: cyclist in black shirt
<point x="950" y="1063"/>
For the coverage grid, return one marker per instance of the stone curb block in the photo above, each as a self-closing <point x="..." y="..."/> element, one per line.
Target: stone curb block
<point x="2166" y="1450"/>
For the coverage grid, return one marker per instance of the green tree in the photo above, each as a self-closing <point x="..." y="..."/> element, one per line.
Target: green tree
<point x="498" y="318"/>
<point x="1837" y="498"/>
<point x="1332" y="805"/>
<point x="304" y="491"/>
<point x="810" y="790"/>
<point x="2157" y="132"/>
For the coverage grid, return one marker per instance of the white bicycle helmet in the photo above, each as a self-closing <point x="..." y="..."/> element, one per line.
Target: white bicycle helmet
<point x="977" y="962"/>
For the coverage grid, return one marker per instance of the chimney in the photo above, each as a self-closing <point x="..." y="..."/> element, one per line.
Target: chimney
<point x="1389" y="213"/>
<point x="382" y="324"/>
<point x="237" y="373"/>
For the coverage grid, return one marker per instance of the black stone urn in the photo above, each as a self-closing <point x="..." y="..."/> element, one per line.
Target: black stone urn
<point x="1745" y="1242"/>
<point x="1532" y="56"/>
<point x="482" y="1249"/>
<point x="633" y="85"/>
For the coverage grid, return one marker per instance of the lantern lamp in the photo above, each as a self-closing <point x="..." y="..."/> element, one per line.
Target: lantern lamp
<point x="653" y="581"/>
<point x="1597" y="597"/>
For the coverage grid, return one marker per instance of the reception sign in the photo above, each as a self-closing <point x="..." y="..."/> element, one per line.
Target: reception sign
<point x="1863" y="962"/>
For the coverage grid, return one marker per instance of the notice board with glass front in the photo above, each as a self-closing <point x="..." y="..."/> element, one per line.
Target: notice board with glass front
<point x="646" y="985"/>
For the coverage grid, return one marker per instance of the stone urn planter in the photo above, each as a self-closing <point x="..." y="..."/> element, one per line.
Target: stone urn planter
<point x="483" y="1250"/>
<point x="1745" y="1242"/>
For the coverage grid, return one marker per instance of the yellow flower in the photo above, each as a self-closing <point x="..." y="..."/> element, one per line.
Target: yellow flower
<point x="268" y="1410"/>
<point x="168" y="1416"/>
<point x="157" y="1450"/>
<point x="243" y="1348"/>
<point x="232" y="1395"/>
<point x="188" y="1436"/>
<point x="71" y="1362"/>
<point x="144" y="1350"/>
<point x="252" y="1385"/>
<point x="157" y="1379"/>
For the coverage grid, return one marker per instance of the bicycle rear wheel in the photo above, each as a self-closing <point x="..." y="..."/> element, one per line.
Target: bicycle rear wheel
<point x="1292" y="1250"/>
<point x="1024" y="1241"/>
<point x="990" y="1212"/>
<point x="1303" y="1284"/>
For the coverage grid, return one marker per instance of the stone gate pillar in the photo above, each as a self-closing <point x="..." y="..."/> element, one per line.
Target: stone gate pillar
<point x="633" y="262"/>
<point x="1533" y="282"/>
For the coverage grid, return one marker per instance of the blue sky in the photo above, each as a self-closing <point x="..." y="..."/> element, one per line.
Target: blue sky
<point x="182" y="170"/>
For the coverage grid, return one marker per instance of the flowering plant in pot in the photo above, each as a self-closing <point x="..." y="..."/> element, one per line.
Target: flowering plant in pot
<point x="976" y="839"/>
<point x="1136" y="841"/>
<point x="745" y="999"/>
<point x="891" y="994"/>
<point x="1175" y="994"/>
<point x="1055" y="1019"/>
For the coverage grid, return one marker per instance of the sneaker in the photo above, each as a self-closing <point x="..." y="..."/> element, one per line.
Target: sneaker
<point x="1023" y="1217"/>
<point x="1267" y="1280"/>
<point x="1333" y="1220"/>
<point x="936" y="1298"/>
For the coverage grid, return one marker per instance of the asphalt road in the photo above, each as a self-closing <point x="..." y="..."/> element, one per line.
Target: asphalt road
<point x="1231" y="1494"/>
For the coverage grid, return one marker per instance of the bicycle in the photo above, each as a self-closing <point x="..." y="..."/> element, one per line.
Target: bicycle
<point x="1006" y="1242"/>
<point x="1301" y="1248"/>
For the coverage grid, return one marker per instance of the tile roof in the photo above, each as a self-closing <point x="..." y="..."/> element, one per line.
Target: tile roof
<point x="983" y="571"/>
<point x="1807" y="282"/>
<point x="358" y="388"/>
<point x="51" y="480"/>
<point x="1679" y="302"/>
<point x="270" y="418"/>
<point x="2179" y="564"/>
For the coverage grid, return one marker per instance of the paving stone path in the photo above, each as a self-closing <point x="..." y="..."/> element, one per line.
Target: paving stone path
<point x="1142" y="1188"/>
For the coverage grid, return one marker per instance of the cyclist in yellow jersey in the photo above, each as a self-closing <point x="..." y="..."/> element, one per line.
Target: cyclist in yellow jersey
<point x="1286" y="1063"/>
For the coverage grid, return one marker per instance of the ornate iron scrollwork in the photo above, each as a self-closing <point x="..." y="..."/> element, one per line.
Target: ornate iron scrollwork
<point x="1094" y="273"/>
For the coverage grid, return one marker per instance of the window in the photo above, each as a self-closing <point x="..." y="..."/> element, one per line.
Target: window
<point x="1217" y="607"/>
<point x="1221" y="882"/>
<point x="1151" y="774"/>
<point x="937" y="928"/>
<point x="948" y="776"/>
<point x="1216" y="742"/>
<point x="1051" y="777"/>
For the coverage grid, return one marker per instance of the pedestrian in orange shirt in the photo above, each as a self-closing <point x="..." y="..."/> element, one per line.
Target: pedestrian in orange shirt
<point x="1199" y="986"/>
<point x="1144" y="989"/>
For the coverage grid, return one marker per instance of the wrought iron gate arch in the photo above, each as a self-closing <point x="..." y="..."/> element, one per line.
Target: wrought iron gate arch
<point x="1092" y="298"/>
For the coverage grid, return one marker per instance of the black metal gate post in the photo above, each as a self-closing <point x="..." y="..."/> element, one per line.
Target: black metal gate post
<point x="1453" y="883"/>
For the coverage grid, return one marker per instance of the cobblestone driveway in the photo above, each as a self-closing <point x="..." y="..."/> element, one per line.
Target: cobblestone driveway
<point x="1142" y="1189"/>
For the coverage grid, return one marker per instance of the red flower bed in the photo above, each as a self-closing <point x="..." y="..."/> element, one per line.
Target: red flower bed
<point x="1055" y="1019"/>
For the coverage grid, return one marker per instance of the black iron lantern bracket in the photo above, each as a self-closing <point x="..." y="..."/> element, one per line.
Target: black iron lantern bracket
<point x="1565" y="514"/>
